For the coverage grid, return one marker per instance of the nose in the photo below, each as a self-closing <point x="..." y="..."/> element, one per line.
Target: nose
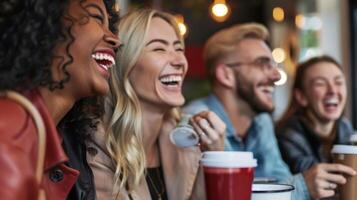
<point x="178" y="60"/>
<point x="331" y="88"/>
<point x="274" y="75"/>
<point x="112" y="40"/>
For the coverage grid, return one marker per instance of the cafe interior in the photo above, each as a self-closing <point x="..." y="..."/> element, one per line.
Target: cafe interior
<point x="299" y="29"/>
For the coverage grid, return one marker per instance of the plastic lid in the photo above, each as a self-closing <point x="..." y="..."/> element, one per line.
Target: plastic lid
<point x="184" y="136"/>
<point x="344" y="149"/>
<point x="229" y="164"/>
<point x="228" y="159"/>
<point x="271" y="188"/>
<point x="227" y="155"/>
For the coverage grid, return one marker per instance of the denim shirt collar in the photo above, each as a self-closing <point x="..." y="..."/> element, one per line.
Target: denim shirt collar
<point x="216" y="106"/>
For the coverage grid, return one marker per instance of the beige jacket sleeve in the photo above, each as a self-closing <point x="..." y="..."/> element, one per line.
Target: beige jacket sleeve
<point x="102" y="166"/>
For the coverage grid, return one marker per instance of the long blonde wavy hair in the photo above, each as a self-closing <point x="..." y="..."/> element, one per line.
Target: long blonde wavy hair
<point x="124" y="135"/>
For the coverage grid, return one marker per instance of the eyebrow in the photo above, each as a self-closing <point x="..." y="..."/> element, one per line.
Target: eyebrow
<point x="91" y="5"/>
<point x="162" y="41"/>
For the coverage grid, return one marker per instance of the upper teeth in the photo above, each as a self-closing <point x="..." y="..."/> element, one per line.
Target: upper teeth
<point x="171" y="78"/>
<point x="104" y="56"/>
<point x="269" y="89"/>
<point x="331" y="101"/>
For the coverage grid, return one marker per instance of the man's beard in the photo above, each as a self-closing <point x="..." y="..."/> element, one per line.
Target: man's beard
<point x="248" y="95"/>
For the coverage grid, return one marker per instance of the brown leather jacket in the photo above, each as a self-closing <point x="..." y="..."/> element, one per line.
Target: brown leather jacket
<point x="182" y="171"/>
<point x="18" y="154"/>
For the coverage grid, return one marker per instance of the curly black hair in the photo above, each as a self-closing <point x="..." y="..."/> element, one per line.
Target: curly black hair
<point x="30" y="29"/>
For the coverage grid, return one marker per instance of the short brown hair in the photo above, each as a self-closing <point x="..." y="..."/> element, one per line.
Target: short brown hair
<point x="225" y="41"/>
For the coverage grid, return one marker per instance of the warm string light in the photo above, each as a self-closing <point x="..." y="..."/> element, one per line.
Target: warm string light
<point x="278" y="55"/>
<point x="278" y="14"/>
<point x="283" y="77"/>
<point x="219" y="10"/>
<point x="181" y="24"/>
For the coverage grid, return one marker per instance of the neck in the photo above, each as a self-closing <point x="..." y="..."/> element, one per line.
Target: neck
<point x="58" y="104"/>
<point x="152" y="124"/>
<point x="239" y="111"/>
<point x="321" y="128"/>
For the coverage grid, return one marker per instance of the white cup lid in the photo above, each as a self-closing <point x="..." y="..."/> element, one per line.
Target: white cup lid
<point x="228" y="159"/>
<point x="230" y="164"/>
<point x="271" y="188"/>
<point x="344" y="149"/>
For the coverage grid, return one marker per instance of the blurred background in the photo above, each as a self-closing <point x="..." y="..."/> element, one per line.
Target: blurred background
<point x="299" y="30"/>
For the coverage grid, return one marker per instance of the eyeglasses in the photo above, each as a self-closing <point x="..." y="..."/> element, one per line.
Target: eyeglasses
<point x="263" y="63"/>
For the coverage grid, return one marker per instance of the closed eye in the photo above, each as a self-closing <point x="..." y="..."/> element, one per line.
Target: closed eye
<point x="159" y="49"/>
<point x="180" y="49"/>
<point x="96" y="12"/>
<point x="98" y="17"/>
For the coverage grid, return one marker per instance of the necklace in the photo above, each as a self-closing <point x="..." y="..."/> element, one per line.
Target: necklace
<point x="152" y="183"/>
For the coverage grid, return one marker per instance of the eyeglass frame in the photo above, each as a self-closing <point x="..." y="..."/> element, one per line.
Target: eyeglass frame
<point x="263" y="62"/>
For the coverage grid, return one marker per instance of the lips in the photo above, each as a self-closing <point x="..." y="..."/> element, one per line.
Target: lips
<point x="171" y="80"/>
<point x="105" y="59"/>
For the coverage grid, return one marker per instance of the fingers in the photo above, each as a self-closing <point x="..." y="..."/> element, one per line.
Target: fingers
<point x="202" y="129"/>
<point x="211" y="130"/>
<point x="213" y="121"/>
<point x="334" y="172"/>
<point x="339" y="168"/>
<point x="322" y="179"/>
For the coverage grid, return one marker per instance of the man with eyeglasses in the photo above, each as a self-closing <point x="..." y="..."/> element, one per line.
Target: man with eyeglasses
<point x="243" y="73"/>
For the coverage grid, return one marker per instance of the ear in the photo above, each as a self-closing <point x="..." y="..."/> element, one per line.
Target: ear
<point x="57" y="69"/>
<point x="224" y="75"/>
<point x="300" y="97"/>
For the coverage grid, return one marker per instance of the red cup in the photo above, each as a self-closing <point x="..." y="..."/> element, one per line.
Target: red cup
<point x="228" y="175"/>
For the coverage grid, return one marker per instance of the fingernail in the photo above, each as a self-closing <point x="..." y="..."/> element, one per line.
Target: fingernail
<point x="204" y="123"/>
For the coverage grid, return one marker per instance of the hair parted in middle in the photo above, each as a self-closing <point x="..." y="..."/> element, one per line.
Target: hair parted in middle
<point x="223" y="43"/>
<point x="294" y="107"/>
<point x="124" y="118"/>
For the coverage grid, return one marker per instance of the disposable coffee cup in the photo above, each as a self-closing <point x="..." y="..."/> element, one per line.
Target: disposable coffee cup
<point x="272" y="191"/>
<point x="347" y="155"/>
<point x="228" y="174"/>
<point x="184" y="134"/>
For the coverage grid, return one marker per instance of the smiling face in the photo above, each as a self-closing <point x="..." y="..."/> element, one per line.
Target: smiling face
<point x="91" y="46"/>
<point x="324" y="92"/>
<point x="255" y="83"/>
<point x="159" y="72"/>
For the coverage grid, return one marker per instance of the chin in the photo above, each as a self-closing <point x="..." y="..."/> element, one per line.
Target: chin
<point x="175" y="102"/>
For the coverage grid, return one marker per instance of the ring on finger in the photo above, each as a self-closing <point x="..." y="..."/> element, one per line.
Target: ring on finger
<point x="331" y="186"/>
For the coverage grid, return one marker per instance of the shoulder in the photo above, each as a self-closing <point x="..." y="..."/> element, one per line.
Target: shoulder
<point x="12" y="117"/>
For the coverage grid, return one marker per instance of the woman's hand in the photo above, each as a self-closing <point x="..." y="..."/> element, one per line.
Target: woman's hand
<point x="322" y="179"/>
<point x="211" y="130"/>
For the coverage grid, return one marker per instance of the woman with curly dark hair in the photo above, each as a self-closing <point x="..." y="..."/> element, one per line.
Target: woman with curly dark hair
<point x="52" y="53"/>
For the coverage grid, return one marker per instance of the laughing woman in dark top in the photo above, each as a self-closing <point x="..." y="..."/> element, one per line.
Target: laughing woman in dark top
<point x="313" y="123"/>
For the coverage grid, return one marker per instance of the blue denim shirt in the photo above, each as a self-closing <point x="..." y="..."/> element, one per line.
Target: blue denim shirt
<point x="260" y="140"/>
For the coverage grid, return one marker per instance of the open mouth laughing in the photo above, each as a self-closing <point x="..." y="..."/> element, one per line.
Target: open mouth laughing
<point x="105" y="59"/>
<point x="171" y="80"/>
<point x="331" y="103"/>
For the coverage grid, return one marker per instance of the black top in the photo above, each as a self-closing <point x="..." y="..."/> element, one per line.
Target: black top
<point x="301" y="148"/>
<point x="156" y="183"/>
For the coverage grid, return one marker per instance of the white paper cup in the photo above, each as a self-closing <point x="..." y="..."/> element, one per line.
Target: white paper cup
<point x="272" y="191"/>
